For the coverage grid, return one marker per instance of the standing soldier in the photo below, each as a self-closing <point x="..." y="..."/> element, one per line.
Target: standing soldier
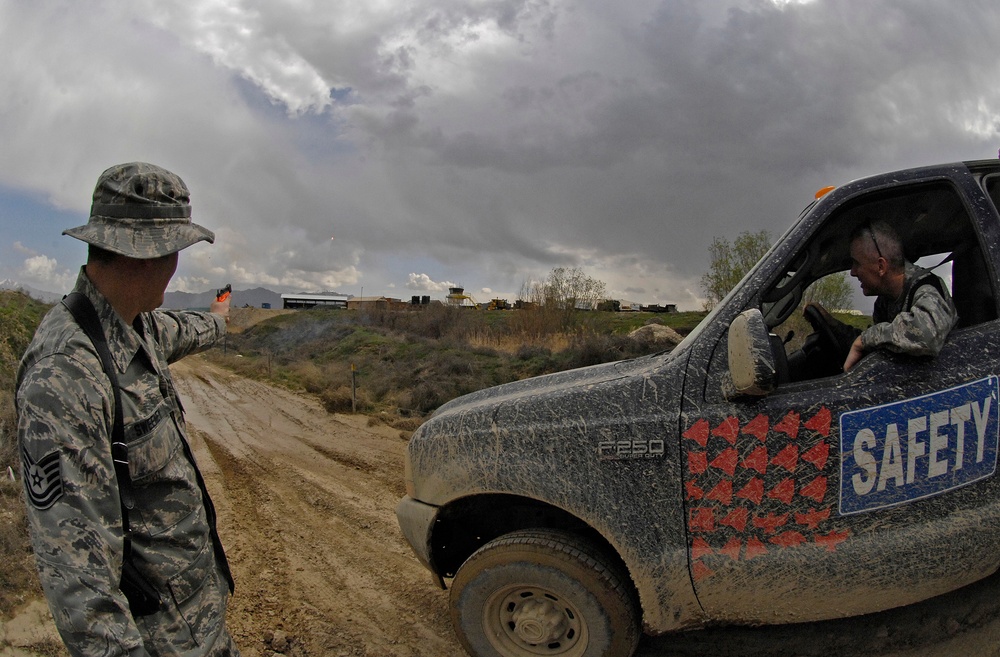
<point x="122" y="527"/>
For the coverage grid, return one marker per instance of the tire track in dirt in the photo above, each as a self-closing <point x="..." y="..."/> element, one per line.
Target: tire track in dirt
<point x="306" y="505"/>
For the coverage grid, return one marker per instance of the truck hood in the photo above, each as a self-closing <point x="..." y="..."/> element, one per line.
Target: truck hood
<point x="525" y="435"/>
<point x="490" y="400"/>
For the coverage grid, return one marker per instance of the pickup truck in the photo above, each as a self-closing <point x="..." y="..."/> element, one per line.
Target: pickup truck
<point x="708" y="485"/>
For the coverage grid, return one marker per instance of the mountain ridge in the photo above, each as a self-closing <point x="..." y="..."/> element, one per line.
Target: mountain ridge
<point x="255" y="297"/>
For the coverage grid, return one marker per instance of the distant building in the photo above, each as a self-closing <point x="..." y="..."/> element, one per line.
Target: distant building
<point x="302" y="301"/>
<point x="661" y="308"/>
<point x="376" y="303"/>
<point x="457" y="297"/>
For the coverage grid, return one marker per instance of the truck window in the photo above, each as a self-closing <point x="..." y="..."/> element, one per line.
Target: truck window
<point x="937" y="232"/>
<point x="993" y="189"/>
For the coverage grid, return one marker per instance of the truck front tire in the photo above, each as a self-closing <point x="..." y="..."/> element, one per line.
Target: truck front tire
<point x="543" y="592"/>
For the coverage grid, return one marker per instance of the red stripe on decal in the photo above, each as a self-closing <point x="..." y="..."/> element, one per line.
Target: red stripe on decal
<point x="815" y="490"/>
<point x="755" y="548"/>
<point x="702" y="519"/>
<point x="758" y="427"/>
<point x="722" y="493"/>
<point x="820" y="423"/>
<point x="817" y="455"/>
<point x="831" y="540"/>
<point x="697" y="462"/>
<point x="812" y="518"/>
<point x="728" y="429"/>
<point x="700" y="570"/>
<point x="770" y="522"/>
<point x="753" y="491"/>
<point x="757" y="460"/>
<point x="698" y="432"/>
<point x="732" y="548"/>
<point x="737" y="519"/>
<point x="700" y="548"/>
<point x="783" y="491"/>
<point x="787" y="458"/>
<point x="789" y="425"/>
<point x="726" y="461"/>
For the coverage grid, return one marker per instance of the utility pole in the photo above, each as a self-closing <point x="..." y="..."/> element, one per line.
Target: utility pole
<point x="354" y="389"/>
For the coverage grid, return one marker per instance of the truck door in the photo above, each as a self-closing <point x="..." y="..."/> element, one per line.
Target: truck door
<point x="830" y="494"/>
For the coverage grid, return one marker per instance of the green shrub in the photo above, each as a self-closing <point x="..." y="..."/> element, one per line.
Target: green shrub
<point x="19" y="316"/>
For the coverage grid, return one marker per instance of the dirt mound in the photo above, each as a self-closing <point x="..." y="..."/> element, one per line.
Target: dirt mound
<point x="657" y="333"/>
<point x="240" y="319"/>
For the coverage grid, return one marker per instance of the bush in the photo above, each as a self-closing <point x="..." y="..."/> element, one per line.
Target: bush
<point x="337" y="400"/>
<point x="532" y="351"/>
<point x="428" y="396"/>
<point x="19" y="316"/>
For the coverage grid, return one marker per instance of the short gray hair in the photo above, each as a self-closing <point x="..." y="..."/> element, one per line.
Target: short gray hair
<point x="883" y="239"/>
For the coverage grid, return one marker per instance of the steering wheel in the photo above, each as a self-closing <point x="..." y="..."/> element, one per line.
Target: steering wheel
<point x="824" y="347"/>
<point x="822" y="323"/>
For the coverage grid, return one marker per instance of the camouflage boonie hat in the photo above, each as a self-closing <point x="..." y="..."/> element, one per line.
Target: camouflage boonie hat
<point x="141" y="211"/>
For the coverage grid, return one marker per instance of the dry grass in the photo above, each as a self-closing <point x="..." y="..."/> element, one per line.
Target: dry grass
<point x="514" y="344"/>
<point x="18" y="577"/>
<point x="19" y="315"/>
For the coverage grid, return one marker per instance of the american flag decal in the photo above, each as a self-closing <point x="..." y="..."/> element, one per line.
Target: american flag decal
<point x="42" y="479"/>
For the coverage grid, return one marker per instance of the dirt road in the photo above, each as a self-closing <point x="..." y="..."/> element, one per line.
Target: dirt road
<point x="306" y="504"/>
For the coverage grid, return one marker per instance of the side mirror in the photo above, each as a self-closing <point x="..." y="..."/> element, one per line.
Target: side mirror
<point x="751" y="363"/>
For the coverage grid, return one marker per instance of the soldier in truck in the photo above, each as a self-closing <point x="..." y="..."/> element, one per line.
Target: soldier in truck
<point x="913" y="311"/>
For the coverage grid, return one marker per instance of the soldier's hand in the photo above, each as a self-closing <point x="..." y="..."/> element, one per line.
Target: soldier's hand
<point x="221" y="308"/>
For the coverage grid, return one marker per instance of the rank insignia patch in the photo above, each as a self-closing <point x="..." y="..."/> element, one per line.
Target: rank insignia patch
<point x="42" y="479"/>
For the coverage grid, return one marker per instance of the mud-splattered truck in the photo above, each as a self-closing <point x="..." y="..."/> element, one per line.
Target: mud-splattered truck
<point x="710" y="484"/>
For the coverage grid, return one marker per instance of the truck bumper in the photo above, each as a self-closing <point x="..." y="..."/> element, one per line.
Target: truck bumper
<point x="416" y="520"/>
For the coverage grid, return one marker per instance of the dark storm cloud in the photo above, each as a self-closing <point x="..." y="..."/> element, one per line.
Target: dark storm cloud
<point x="383" y="144"/>
<point x="704" y="121"/>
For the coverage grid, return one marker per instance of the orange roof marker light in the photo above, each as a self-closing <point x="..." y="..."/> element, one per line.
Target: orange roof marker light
<point x="824" y="191"/>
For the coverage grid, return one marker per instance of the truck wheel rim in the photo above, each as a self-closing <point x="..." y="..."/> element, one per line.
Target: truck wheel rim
<point x="528" y="620"/>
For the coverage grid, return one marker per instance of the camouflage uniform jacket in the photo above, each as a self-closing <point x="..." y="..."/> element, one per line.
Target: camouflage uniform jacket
<point x="65" y="414"/>
<point x="918" y="322"/>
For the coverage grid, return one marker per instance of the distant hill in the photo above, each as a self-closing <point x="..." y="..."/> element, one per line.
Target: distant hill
<point x="38" y="295"/>
<point x="255" y="297"/>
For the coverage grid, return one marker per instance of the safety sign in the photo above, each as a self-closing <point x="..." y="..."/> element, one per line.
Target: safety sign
<point x="920" y="447"/>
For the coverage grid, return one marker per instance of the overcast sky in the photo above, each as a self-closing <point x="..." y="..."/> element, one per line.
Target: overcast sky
<point x="400" y="147"/>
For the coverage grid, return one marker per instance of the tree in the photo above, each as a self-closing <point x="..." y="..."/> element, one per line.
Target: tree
<point x="565" y="289"/>
<point x="729" y="263"/>
<point x="556" y="299"/>
<point x="571" y="288"/>
<point x="833" y="292"/>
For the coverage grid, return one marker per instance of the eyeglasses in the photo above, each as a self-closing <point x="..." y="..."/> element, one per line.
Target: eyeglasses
<point x="874" y="241"/>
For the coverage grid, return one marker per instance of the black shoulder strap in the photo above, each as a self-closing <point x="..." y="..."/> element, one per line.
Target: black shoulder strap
<point x="86" y="316"/>
<point x="926" y="278"/>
